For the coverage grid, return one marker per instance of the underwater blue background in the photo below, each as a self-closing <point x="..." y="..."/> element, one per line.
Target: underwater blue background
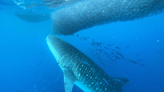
<point x="27" y="65"/>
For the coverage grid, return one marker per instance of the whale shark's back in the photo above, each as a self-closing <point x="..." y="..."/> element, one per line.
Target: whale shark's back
<point x="78" y="68"/>
<point x="91" y="78"/>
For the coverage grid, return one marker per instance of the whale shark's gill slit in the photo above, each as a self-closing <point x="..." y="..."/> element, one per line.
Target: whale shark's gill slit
<point x="106" y="81"/>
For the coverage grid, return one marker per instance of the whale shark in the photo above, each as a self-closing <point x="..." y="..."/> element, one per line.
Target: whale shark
<point x="80" y="70"/>
<point x="89" y="13"/>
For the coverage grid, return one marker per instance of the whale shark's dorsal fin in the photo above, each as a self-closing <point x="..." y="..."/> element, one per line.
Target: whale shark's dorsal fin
<point x="69" y="80"/>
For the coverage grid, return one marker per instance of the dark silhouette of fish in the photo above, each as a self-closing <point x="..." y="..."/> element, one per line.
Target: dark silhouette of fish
<point x="103" y="64"/>
<point x="138" y="54"/>
<point x="41" y="52"/>
<point x="106" y="53"/>
<point x="39" y="63"/>
<point x="119" y="53"/>
<point x="110" y="45"/>
<point x="139" y="60"/>
<point x="116" y="57"/>
<point x="105" y="47"/>
<point x="112" y="53"/>
<point x="161" y="75"/>
<point x="117" y="47"/>
<point x="136" y="62"/>
<point x="142" y="64"/>
<point x="96" y="43"/>
<point x="127" y="46"/>
<point x="112" y="59"/>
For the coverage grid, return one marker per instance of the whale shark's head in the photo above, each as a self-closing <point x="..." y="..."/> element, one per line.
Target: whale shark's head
<point x="53" y="44"/>
<point x="58" y="47"/>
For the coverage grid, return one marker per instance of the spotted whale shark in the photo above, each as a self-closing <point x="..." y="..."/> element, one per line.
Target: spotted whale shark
<point x="80" y="70"/>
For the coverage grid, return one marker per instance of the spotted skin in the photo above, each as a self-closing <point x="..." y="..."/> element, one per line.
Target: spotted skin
<point x="81" y="73"/>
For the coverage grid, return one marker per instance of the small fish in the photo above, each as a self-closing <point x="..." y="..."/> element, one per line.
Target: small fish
<point x="127" y="46"/>
<point x="139" y="60"/>
<point x="57" y="79"/>
<point x="105" y="47"/>
<point x="100" y="50"/>
<point x="112" y="53"/>
<point x="41" y="52"/>
<point x="142" y="64"/>
<point x="161" y="75"/>
<point x="92" y="40"/>
<point x="117" y="47"/>
<point x="84" y="80"/>
<point x="112" y="59"/>
<point x="39" y="63"/>
<point x="138" y="54"/>
<point x="133" y="61"/>
<point x="119" y="53"/>
<point x="123" y="57"/>
<point x="109" y="45"/>
<point x="77" y="35"/>
<point x="106" y="81"/>
<point x="112" y="63"/>
<point x="96" y="53"/>
<point x="116" y="57"/>
<point x="98" y="84"/>
<point x="103" y="64"/>
<point x="106" y="53"/>
<point x="99" y="44"/>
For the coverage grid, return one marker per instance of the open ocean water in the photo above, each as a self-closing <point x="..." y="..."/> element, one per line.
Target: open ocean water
<point x="129" y="49"/>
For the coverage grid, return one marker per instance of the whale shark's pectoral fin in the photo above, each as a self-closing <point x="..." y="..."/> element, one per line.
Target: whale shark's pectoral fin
<point x="69" y="80"/>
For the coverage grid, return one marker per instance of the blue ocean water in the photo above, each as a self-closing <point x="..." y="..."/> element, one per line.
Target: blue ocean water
<point x="27" y="65"/>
